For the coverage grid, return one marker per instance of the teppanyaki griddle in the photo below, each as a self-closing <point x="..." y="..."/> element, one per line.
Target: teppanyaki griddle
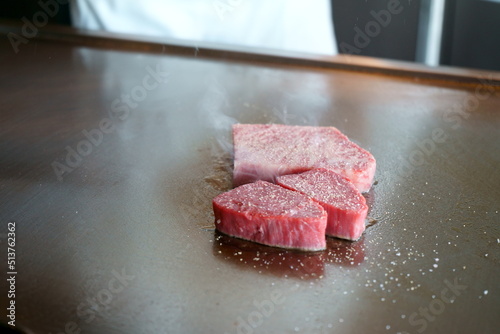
<point x="112" y="200"/>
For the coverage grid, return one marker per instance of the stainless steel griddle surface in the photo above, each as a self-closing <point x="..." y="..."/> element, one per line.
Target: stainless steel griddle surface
<point x="122" y="241"/>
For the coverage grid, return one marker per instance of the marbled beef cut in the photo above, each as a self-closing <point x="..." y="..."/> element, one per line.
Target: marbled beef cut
<point x="265" y="151"/>
<point x="271" y="215"/>
<point x="345" y="206"/>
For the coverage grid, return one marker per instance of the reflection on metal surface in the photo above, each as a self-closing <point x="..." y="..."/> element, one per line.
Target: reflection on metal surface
<point x="287" y="263"/>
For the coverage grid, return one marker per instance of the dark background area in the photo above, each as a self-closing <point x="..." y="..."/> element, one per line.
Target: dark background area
<point x="471" y="34"/>
<point x="396" y="41"/>
<point x="471" y="31"/>
<point x="16" y="9"/>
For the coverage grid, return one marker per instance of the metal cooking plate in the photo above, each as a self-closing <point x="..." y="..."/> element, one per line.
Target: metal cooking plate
<point x="124" y="242"/>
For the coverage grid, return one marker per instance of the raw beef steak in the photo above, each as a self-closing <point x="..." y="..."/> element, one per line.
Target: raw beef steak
<point x="271" y="215"/>
<point x="264" y="151"/>
<point x="345" y="206"/>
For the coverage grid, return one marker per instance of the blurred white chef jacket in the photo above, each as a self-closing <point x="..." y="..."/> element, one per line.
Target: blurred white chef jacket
<point x="291" y="25"/>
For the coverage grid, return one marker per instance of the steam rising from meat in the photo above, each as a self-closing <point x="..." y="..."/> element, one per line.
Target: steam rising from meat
<point x="280" y="101"/>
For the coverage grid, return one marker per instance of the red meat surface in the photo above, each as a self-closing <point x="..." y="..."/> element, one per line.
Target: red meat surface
<point x="345" y="205"/>
<point x="265" y="151"/>
<point x="271" y="215"/>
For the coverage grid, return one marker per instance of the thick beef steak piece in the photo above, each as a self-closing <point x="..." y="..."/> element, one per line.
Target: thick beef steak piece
<point x="345" y="206"/>
<point x="271" y="215"/>
<point x="265" y="151"/>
